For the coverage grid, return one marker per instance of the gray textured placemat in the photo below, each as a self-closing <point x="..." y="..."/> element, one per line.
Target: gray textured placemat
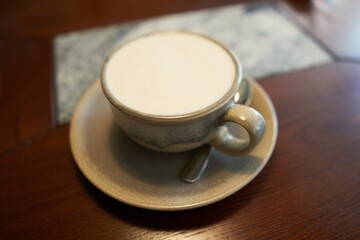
<point x="264" y="40"/>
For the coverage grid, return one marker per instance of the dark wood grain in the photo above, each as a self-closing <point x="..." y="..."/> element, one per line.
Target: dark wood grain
<point x="25" y="96"/>
<point x="335" y="24"/>
<point x="309" y="190"/>
<point x="46" y="18"/>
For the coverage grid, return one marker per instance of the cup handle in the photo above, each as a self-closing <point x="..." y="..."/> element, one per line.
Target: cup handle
<point x="247" y="117"/>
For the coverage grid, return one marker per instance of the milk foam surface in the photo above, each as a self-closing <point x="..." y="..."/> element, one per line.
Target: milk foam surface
<point x="170" y="74"/>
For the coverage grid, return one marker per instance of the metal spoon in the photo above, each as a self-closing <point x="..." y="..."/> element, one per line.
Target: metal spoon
<point x="194" y="169"/>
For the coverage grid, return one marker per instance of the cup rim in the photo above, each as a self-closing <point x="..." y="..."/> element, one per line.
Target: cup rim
<point x="172" y="118"/>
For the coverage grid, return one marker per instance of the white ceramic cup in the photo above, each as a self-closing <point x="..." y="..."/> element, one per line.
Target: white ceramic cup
<point x="177" y="132"/>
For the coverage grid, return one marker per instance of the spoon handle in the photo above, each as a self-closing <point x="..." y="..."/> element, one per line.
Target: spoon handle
<point x="196" y="166"/>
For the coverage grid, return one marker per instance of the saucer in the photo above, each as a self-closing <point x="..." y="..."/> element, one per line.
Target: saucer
<point x="143" y="178"/>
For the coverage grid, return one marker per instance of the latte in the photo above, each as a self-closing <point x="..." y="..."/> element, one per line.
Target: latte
<point x="170" y="73"/>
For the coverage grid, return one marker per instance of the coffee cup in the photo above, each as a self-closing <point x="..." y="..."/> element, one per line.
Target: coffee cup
<point x="173" y="91"/>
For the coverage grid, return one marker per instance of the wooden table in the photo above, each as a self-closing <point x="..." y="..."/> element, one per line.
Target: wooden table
<point x="309" y="190"/>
